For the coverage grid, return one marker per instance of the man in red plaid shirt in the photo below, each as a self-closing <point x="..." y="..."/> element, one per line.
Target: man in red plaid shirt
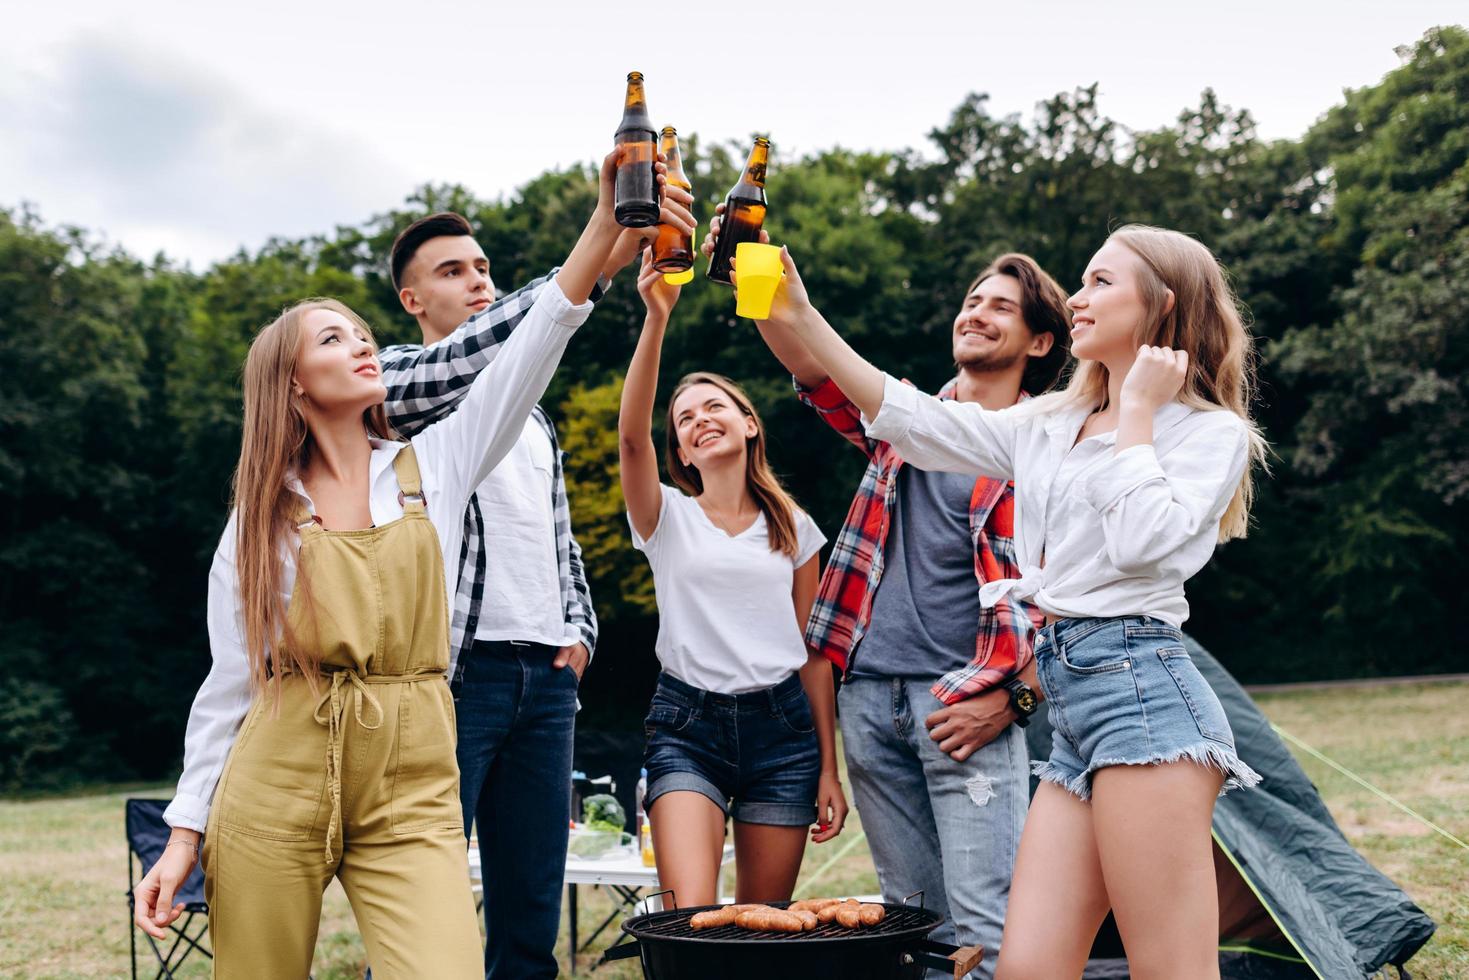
<point x="934" y="684"/>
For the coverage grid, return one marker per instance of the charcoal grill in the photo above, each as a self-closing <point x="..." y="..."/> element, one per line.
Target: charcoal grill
<point x="898" y="948"/>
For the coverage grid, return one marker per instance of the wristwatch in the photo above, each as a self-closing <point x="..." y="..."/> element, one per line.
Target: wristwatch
<point x="1022" y="699"/>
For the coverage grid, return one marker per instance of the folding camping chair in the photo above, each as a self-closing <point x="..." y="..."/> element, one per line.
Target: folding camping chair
<point x="147" y="835"/>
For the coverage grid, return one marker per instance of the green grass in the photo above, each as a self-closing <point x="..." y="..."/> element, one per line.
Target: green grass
<point x="63" y="914"/>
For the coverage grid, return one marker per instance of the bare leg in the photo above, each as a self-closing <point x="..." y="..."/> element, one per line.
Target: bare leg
<point x="1057" y="898"/>
<point x="767" y="860"/>
<point x="688" y="838"/>
<point x="1152" y="833"/>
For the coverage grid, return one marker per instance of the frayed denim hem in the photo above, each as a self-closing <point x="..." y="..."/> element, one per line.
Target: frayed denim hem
<point x="1237" y="775"/>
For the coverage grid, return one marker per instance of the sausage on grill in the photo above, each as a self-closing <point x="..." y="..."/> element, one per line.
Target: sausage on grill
<point x="719" y="917"/>
<point x="767" y="919"/>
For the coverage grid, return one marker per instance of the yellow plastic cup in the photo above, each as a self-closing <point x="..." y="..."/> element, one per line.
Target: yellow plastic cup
<point x="679" y="278"/>
<point x="757" y="276"/>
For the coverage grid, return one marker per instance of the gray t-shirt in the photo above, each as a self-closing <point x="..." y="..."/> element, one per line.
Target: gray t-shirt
<point x="925" y="616"/>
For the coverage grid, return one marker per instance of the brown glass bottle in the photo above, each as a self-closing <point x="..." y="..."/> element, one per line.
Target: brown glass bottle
<point x="635" y="203"/>
<point x="744" y="211"/>
<point x="673" y="251"/>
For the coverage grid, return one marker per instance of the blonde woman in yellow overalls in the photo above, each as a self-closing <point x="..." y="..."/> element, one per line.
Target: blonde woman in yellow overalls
<point x="321" y="744"/>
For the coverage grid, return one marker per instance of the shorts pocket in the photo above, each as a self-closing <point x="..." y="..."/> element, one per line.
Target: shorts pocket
<point x="795" y="714"/>
<point x="1202" y="702"/>
<point x="667" y="715"/>
<point x="425" y="773"/>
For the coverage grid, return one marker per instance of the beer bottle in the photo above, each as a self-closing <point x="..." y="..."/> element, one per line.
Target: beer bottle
<point x="636" y="199"/>
<point x="744" y="211"/>
<point x="673" y="251"/>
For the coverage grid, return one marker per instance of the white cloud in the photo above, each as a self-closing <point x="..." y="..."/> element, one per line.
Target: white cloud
<point x="160" y="153"/>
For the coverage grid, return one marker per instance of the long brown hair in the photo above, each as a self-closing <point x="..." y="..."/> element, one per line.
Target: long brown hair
<point x="1207" y="323"/>
<point x="774" y="502"/>
<point x="275" y="442"/>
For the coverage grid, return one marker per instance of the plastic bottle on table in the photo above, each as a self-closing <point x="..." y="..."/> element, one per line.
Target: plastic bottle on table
<point x="645" y="829"/>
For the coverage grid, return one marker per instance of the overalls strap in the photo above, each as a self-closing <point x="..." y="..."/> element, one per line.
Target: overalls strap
<point x="410" y="484"/>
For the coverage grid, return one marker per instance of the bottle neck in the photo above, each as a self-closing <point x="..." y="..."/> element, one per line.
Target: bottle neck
<point x="755" y="166"/>
<point x="669" y="149"/>
<point x="635" y="110"/>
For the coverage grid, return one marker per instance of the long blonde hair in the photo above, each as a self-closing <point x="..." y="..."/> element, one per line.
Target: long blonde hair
<point x="773" y="500"/>
<point x="1207" y="323"/>
<point x="275" y="442"/>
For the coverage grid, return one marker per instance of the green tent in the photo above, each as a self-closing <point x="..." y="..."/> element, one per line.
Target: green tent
<point x="1296" y="901"/>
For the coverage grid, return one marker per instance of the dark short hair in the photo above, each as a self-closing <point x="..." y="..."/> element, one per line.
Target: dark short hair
<point x="411" y="239"/>
<point x="1044" y="310"/>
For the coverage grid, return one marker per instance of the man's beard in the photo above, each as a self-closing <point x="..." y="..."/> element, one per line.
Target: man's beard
<point x="991" y="363"/>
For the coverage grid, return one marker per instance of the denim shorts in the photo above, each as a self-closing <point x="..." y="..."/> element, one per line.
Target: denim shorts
<point x="1124" y="692"/>
<point x="758" y="750"/>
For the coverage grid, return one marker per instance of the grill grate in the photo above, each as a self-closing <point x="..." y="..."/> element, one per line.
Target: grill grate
<point x="900" y="919"/>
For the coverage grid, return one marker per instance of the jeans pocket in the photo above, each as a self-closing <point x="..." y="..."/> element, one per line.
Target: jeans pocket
<point x="1202" y="702"/>
<point x="1093" y="655"/>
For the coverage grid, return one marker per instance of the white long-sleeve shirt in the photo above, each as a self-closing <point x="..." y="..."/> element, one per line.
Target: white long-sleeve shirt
<point x="1120" y="532"/>
<point x="454" y="457"/>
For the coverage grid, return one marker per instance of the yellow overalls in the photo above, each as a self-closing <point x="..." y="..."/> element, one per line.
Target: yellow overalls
<point x="358" y="781"/>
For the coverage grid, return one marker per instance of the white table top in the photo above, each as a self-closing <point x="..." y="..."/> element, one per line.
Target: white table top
<point x="624" y="868"/>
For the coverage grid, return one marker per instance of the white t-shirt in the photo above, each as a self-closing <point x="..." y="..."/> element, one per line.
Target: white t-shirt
<point x="726" y="619"/>
<point x="522" y="599"/>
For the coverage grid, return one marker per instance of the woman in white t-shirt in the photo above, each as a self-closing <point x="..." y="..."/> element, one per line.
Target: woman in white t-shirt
<point x="743" y="723"/>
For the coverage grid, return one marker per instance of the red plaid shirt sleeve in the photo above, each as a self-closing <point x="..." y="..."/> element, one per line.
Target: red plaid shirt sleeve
<point x="832" y="404"/>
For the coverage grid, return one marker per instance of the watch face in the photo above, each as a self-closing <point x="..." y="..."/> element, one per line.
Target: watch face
<point x="1025" y="700"/>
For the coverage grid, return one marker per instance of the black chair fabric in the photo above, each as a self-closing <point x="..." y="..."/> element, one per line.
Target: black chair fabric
<point x="147" y="836"/>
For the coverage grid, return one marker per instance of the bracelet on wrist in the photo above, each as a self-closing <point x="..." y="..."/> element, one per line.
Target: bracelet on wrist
<point x="186" y="843"/>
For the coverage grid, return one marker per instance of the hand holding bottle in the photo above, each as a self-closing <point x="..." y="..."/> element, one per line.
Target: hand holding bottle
<point x="659" y="295"/>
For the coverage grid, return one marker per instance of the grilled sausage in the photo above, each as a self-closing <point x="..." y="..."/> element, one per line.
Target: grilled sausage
<point x="767" y="919"/>
<point x="871" y="914"/>
<point x="813" y="904"/>
<point x="718" y="917"/>
<point x="829" y="913"/>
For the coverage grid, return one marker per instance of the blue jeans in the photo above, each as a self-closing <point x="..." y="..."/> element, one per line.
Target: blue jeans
<point x="516" y="719"/>
<point x="947" y="828"/>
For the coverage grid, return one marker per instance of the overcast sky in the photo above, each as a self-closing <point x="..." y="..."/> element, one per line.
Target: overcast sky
<point x="195" y="128"/>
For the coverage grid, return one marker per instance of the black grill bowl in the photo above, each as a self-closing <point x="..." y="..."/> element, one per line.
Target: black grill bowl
<point x="896" y="949"/>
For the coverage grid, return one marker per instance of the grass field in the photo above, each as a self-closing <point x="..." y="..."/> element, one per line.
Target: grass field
<point x="63" y="912"/>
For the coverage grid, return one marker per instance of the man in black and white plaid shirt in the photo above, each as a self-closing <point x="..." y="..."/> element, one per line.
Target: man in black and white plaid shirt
<point x="523" y="628"/>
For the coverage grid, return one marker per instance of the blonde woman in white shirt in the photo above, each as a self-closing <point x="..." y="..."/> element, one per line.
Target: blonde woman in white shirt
<point x="743" y="723"/>
<point x="1125" y="482"/>
<point x="321" y="744"/>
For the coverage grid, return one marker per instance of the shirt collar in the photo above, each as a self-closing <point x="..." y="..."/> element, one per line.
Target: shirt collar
<point x="384" y="451"/>
<point x="1067" y="424"/>
<point x="946" y="393"/>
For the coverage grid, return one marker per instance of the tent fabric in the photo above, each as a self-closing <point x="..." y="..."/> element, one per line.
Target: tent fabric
<point x="1296" y="899"/>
